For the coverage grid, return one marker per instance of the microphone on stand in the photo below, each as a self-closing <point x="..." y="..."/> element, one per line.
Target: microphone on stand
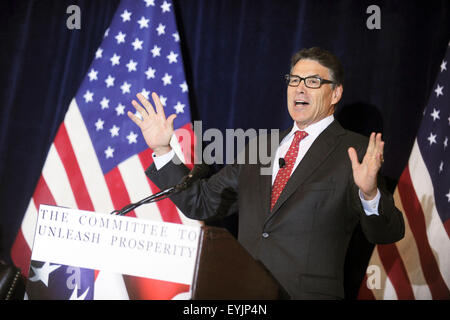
<point x="199" y="171"/>
<point x="281" y="162"/>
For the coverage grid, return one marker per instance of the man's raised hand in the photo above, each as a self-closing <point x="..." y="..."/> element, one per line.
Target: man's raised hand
<point x="365" y="173"/>
<point x="155" y="127"/>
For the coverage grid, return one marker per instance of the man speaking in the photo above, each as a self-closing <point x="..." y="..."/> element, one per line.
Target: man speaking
<point x="298" y="221"/>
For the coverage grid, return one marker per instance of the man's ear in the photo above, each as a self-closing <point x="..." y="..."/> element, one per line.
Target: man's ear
<point x="337" y="94"/>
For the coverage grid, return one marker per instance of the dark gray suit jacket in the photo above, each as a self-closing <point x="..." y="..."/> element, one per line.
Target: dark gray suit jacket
<point x="303" y="241"/>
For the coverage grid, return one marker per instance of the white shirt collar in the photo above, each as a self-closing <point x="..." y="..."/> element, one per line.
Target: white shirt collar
<point x="313" y="130"/>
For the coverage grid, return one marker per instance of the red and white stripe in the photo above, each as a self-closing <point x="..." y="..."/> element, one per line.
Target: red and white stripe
<point x="418" y="266"/>
<point x="72" y="177"/>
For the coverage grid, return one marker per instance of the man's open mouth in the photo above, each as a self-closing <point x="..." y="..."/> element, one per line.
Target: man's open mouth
<point x="301" y="102"/>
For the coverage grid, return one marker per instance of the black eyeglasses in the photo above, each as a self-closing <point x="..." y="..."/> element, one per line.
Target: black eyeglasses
<point x="313" y="82"/>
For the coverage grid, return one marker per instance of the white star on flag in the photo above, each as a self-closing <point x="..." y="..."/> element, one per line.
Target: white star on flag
<point x="172" y="57"/>
<point x="126" y="16"/>
<point x="109" y="152"/>
<point x="179" y="107"/>
<point x="137" y="44"/>
<point x="99" y="124"/>
<point x="74" y="295"/>
<point x="145" y="93"/>
<point x="120" y="109"/>
<point x="443" y="65"/>
<point x="109" y="81"/>
<point x="438" y="90"/>
<point x="42" y="273"/>
<point x="98" y="53"/>
<point x="143" y="22"/>
<point x="435" y="114"/>
<point x="115" y="60"/>
<point x="432" y="138"/>
<point x="138" y="115"/>
<point x="120" y="37"/>
<point x="104" y="103"/>
<point x="150" y="73"/>
<point x="184" y="87"/>
<point x="131" y="65"/>
<point x="167" y="79"/>
<point x="125" y="87"/>
<point x="161" y="29"/>
<point x="88" y="96"/>
<point x="114" y="131"/>
<point x="156" y="51"/>
<point x="163" y="100"/>
<point x="149" y="3"/>
<point x="165" y="7"/>
<point x="92" y="75"/>
<point x="132" y="137"/>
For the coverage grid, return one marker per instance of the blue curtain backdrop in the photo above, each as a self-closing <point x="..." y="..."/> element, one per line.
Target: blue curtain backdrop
<point x="236" y="53"/>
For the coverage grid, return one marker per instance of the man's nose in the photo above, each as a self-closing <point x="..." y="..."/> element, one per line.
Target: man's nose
<point x="301" y="88"/>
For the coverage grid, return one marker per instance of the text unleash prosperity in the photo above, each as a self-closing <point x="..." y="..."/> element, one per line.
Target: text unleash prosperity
<point x="151" y="232"/>
<point x="140" y="247"/>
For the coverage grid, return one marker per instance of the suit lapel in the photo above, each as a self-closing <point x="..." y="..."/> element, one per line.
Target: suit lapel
<point x="322" y="147"/>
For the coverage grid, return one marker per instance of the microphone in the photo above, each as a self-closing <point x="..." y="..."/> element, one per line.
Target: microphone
<point x="281" y="163"/>
<point x="199" y="171"/>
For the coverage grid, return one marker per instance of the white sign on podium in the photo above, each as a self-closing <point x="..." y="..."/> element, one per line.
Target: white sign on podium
<point x="113" y="244"/>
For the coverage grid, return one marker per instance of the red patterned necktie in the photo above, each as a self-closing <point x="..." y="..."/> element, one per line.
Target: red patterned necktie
<point x="285" y="172"/>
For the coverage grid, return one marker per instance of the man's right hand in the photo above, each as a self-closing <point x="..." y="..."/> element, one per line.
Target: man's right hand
<point x="156" y="129"/>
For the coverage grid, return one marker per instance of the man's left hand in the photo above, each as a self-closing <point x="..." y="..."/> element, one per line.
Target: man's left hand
<point x="365" y="173"/>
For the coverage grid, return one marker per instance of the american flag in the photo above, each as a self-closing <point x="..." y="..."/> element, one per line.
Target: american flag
<point x="418" y="266"/>
<point x="49" y="281"/>
<point x="98" y="157"/>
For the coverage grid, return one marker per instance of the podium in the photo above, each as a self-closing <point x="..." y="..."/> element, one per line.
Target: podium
<point x="74" y="249"/>
<point x="225" y="270"/>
